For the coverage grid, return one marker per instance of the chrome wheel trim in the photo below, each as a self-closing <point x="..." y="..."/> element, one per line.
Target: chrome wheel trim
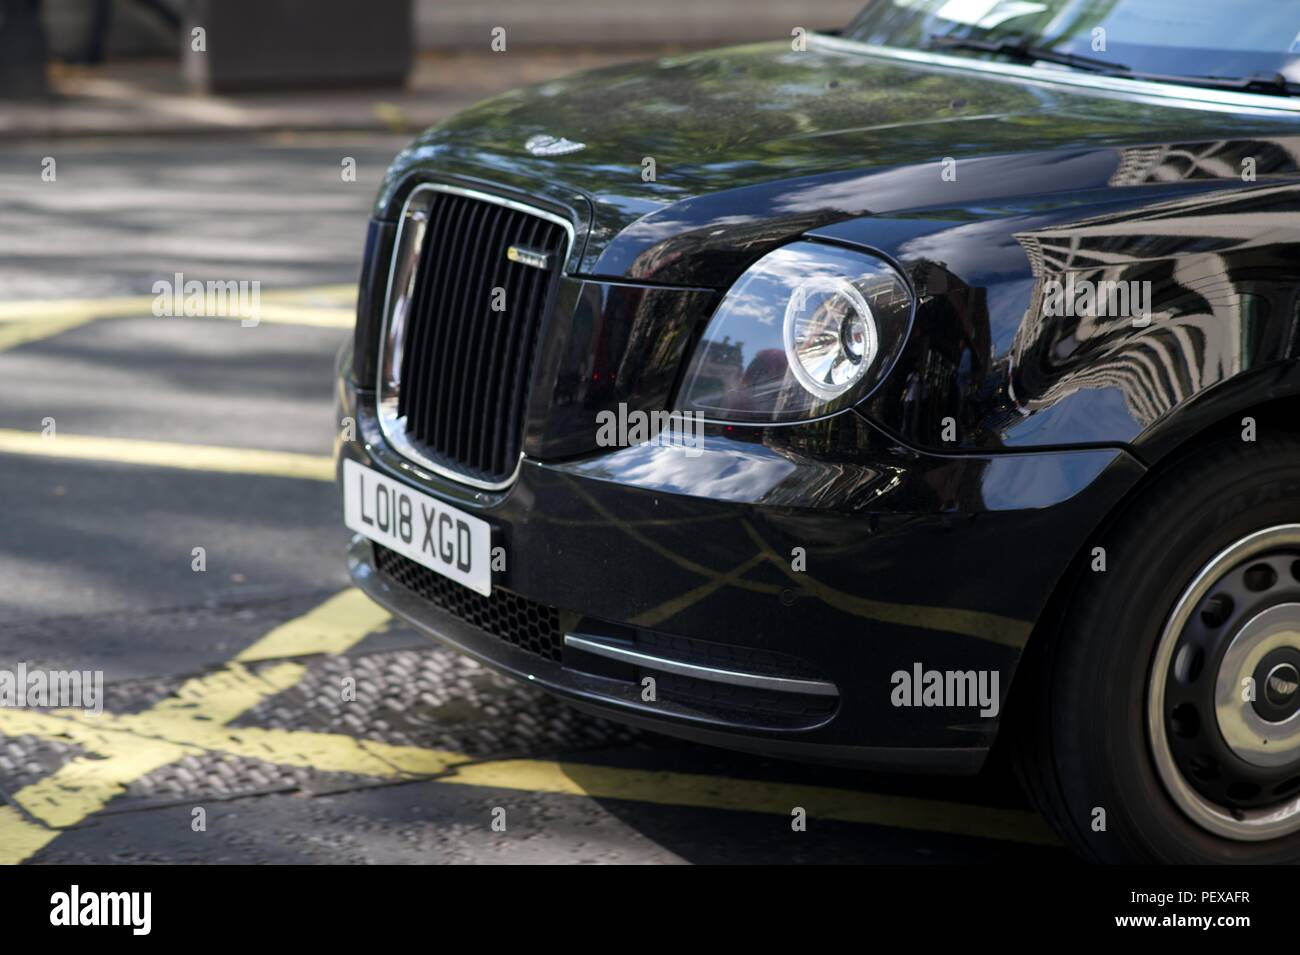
<point x="1255" y="825"/>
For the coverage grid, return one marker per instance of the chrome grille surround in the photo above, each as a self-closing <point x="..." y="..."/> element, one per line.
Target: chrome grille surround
<point x="400" y="305"/>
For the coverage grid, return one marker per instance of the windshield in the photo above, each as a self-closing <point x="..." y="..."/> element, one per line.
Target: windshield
<point x="1199" y="38"/>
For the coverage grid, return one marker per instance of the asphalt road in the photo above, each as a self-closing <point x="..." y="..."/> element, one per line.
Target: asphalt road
<point x="224" y="702"/>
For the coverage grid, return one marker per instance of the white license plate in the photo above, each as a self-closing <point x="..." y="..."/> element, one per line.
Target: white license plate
<point x="418" y="526"/>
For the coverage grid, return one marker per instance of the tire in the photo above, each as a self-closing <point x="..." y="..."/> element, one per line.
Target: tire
<point x="1124" y="707"/>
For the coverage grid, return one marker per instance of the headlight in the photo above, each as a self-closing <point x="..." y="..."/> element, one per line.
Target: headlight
<point x="808" y="331"/>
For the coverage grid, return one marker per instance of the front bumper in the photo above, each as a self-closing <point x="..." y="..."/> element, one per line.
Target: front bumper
<point x="907" y="559"/>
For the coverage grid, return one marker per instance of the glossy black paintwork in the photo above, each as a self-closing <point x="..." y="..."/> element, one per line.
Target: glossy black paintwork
<point x="609" y="344"/>
<point x="897" y="544"/>
<point x="1221" y="268"/>
<point x="942" y="552"/>
<point x="758" y="145"/>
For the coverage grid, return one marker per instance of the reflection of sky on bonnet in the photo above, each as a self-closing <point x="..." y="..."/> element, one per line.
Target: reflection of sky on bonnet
<point x="919" y="186"/>
<point x="987" y="249"/>
<point x="661" y="228"/>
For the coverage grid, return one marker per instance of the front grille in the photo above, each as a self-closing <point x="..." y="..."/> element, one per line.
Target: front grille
<point x="465" y="367"/>
<point x="523" y="623"/>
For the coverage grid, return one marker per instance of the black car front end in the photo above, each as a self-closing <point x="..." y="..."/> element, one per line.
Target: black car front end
<point x="760" y="587"/>
<point x="967" y="340"/>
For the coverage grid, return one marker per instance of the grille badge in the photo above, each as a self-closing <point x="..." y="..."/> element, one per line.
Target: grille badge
<point x="529" y="257"/>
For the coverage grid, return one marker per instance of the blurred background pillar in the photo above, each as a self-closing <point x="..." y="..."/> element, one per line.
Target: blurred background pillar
<point x="23" y="50"/>
<point x="247" y="45"/>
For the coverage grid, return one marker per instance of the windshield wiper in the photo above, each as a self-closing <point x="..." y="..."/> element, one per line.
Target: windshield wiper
<point x="1027" y="53"/>
<point x="1270" y="84"/>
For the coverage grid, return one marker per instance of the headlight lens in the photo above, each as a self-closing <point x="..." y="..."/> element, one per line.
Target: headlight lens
<point x="808" y="331"/>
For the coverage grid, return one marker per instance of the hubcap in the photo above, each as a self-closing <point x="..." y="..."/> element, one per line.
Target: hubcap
<point x="1223" y="705"/>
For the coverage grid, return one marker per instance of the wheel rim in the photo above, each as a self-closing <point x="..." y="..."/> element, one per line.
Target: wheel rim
<point x="1223" y="702"/>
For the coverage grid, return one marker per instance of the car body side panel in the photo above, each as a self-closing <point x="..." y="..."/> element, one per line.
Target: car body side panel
<point x="1217" y="273"/>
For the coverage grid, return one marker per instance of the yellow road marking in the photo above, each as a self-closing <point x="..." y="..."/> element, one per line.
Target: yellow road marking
<point x="189" y="722"/>
<point x="329" y="628"/>
<point x="19" y="838"/>
<point x="748" y="795"/>
<point x="327" y="306"/>
<point x="15" y="333"/>
<point x="195" y="720"/>
<point x="57" y="309"/>
<point x="84" y="786"/>
<point x="154" y="736"/>
<point x="170" y="454"/>
<point x="216" y="697"/>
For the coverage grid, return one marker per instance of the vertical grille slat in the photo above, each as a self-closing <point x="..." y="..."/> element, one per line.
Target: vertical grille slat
<point x="418" y="332"/>
<point x="456" y="317"/>
<point x="481" y="416"/>
<point x="465" y="369"/>
<point x="477" y="314"/>
<point x="431" y="371"/>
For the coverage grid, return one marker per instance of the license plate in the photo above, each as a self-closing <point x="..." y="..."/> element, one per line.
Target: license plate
<point x="418" y="526"/>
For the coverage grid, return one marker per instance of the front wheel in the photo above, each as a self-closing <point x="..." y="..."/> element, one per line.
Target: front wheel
<point x="1165" y="717"/>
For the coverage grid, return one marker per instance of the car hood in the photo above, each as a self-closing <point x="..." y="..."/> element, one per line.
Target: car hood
<point x="753" y="145"/>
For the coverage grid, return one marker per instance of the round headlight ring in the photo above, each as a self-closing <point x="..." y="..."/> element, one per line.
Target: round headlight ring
<point x="828" y="353"/>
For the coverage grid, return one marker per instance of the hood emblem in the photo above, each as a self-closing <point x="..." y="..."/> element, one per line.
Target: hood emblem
<point x="530" y="257"/>
<point x="544" y="145"/>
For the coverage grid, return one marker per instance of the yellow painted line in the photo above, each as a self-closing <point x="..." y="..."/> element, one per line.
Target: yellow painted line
<point x="190" y="722"/>
<point x="338" y="753"/>
<point x="198" y="727"/>
<point x="20" y="838"/>
<point x="84" y="786"/>
<point x="168" y="454"/>
<point x="15" y="333"/>
<point x="317" y="296"/>
<point x="220" y="696"/>
<point x="323" y="752"/>
<point x="195" y="720"/>
<point x="35" y="310"/>
<point x="748" y="795"/>
<point x="326" y="306"/>
<point x="332" y="627"/>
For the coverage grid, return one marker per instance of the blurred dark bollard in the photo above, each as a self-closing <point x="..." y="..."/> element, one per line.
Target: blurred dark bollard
<point x="23" y="50"/>
<point x="245" y="45"/>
